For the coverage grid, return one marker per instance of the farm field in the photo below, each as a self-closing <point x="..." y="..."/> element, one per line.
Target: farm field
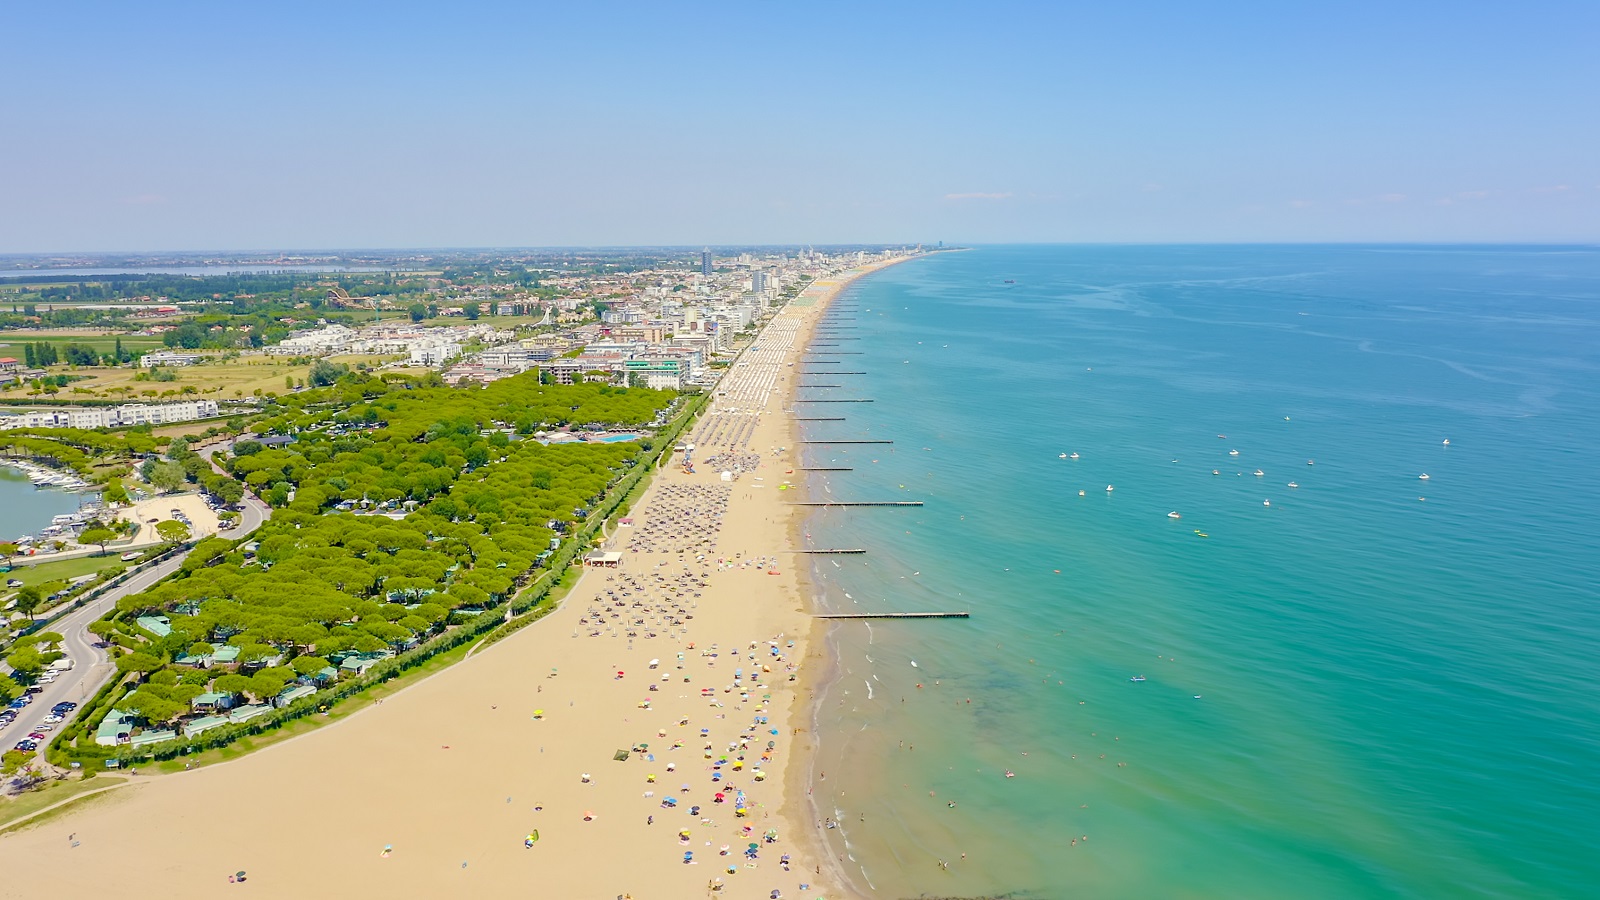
<point x="239" y="377"/>
<point x="101" y="340"/>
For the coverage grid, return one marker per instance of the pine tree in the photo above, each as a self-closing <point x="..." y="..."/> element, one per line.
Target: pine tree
<point x="29" y="358"/>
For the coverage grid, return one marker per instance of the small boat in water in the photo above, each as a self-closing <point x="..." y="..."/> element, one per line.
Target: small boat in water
<point x="1266" y="503"/>
<point x="1061" y="456"/>
<point x="1109" y="488"/>
<point x="1137" y="678"/>
<point x="1174" y="515"/>
<point x="1423" y="476"/>
<point x="1073" y="455"/>
<point x="1293" y="484"/>
<point x="1259" y="473"/>
<point x="1447" y="442"/>
<point x="1233" y="453"/>
<point x="1199" y="533"/>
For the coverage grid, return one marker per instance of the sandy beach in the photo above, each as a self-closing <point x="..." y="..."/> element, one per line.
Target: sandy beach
<point x="690" y="661"/>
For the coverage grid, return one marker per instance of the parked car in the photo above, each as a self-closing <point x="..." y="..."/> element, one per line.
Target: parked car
<point x="54" y="718"/>
<point x="27" y="746"/>
<point x="131" y="555"/>
<point x="37" y="736"/>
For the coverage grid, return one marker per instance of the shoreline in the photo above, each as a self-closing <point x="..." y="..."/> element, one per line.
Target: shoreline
<point x="822" y="662"/>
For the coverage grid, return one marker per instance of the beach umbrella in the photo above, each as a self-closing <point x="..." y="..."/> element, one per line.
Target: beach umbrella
<point x="538" y="714"/>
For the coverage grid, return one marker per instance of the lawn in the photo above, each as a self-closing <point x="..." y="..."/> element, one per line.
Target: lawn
<point x="65" y="569"/>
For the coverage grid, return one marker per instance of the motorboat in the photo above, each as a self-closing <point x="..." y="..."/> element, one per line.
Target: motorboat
<point x="1174" y="515"/>
<point x="1423" y="476"/>
<point x="1061" y="456"/>
<point x="1293" y="484"/>
<point x="1233" y="453"/>
<point x="1266" y="503"/>
<point x="1109" y="488"/>
<point x="1137" y="678"/>
<point x="1072" y="455"/>
<point x="1259" y="473"/>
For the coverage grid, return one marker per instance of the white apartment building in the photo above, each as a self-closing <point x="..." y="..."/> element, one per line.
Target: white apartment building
<point x="169" y="358"/>
<point x="435" y="354"/>
<point x="113" y="416"/>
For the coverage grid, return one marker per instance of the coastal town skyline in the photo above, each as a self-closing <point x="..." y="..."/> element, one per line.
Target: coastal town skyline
<point x="740" y="124"/>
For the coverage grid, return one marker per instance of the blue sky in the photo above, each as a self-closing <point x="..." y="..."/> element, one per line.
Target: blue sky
<point x="323" y="125"/>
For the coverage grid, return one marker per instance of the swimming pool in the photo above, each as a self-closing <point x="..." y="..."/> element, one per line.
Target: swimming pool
<point x="614" y="438"/>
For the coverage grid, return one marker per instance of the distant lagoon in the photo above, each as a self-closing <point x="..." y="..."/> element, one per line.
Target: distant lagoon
<point x="195" y="270"/>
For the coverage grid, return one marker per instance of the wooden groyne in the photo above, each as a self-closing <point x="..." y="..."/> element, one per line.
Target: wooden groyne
<point x="857" y="503"/>
<point x="818" y="385"/>
<point x="819" y="418"/>
<point x="831" y="552"/>
<point x="832" y="362"/>
<point x="826" y="469"/>
<point x="832" y="400"/>
<point x="846" y="442"/>
<point x="894" y="615"/>
<point x="826" y="372"/>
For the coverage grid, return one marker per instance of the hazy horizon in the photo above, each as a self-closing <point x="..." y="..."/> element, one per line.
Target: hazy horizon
<point x="507" y="126"/>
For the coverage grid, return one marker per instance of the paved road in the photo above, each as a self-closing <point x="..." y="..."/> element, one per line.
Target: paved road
<point x="93" y="668"/>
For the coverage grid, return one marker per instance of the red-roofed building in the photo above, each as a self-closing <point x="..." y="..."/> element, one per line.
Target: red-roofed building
<point x="9" y="364"/>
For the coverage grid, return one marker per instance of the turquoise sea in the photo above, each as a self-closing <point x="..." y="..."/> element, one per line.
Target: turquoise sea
<point x="1352" y="692"/>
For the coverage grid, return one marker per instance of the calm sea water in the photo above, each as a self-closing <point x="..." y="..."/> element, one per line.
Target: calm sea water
<point x="24" y="509"/>
<point x="1354" y="691"/>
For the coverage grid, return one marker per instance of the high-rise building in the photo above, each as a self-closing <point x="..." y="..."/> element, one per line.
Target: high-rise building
<point x="758" y="282"/>
<point x="705" y="261"/>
